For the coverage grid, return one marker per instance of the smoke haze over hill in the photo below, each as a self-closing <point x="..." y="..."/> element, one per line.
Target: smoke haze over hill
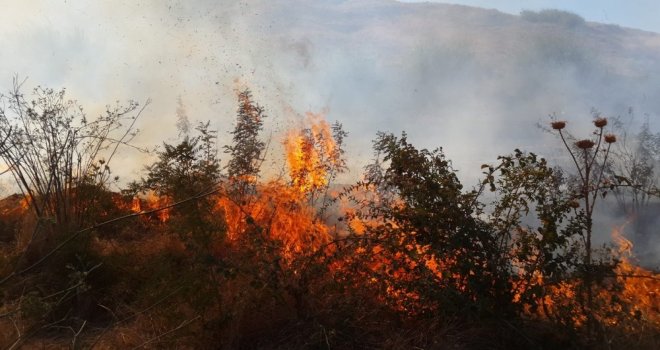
<point x="471" y="80"/>
<point x="492" y="179"/>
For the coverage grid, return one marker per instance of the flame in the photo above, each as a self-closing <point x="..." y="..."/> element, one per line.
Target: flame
<point x="136" y="206"/>
<point x="636" y="291"/>
<point x="25" y="203"/>
<point x="281" y="213"/>
<point x="641" y="287"/>
<point x="152" y="201"/>
<point x="309" y="153"/>
<point x="147" y="202"/>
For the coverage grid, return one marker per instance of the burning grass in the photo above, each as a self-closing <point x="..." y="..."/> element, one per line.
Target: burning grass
<point x="264" y="264"/>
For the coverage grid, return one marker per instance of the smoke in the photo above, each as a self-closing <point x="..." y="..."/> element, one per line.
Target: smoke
<point x="473" y="81"/>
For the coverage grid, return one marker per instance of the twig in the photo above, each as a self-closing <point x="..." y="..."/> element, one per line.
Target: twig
<point x="530" y="341"/>
<point x="161" y="300"/>
<point x="76" y="334"/>
<point x="183" y="324"/>
<point x="128" y="130"/>
<point x="577" y="165"/>
<point x="20" y="339"/>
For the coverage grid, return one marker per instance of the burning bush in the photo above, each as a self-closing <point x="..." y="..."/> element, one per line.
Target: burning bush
<point x="234" y="259"/>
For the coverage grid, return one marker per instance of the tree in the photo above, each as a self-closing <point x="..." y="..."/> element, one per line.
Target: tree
<point x="633" y="169"/>
<point x="188" y="174"/>
<point x="315" y="156"/>
<point x="247" y="148"/>
<point x="60" y="161"/>
<point x="537" y="224"/>
<point x="188" y="169"/>
<point x="590" y="157"/>
<point x="56" y="154"/>
<point x="421" y="236"/>
<point x="565" y="18"/>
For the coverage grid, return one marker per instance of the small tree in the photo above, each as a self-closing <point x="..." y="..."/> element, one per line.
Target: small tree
<point x="56" y="154"/>
<point x="60" y="161"/>
<point x="420" y="237"/>
<point x="190" y="169"/>
<point x="633" y="168"/>
<point x="315" y="157"/>
<point x="537" y="225"/>
<point x="247" y="148"/>
<point x="590" y="157"/>
<point x="185" y="170"/>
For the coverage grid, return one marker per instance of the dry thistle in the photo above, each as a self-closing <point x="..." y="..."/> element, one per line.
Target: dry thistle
<point x="600" y="122"/>
<point x="558" y="125"/>
<point x="585" y="144"/>
<point x="610" y="138"/>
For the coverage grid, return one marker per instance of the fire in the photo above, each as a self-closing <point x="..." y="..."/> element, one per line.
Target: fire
<point x="641" y="287"/>
<point x="25" y="203"/>
<point x="630" y="291"/>
<point x="149" y="201"/>
<point x="279" y="211"/>
<point x="310" y="154"/>
<point x="282" y="211"/>
<point x="152" y="201"/>
<point x="136" y="206"/>
<point x="283" y="214"/>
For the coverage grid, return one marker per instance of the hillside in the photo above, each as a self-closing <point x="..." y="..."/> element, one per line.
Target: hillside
<point x="444" y="73"/>
<point x="327" y="175"/>
<point x="447" y="73"/>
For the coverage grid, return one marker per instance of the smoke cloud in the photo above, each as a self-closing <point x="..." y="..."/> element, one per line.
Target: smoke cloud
<point x="472" y="81"/>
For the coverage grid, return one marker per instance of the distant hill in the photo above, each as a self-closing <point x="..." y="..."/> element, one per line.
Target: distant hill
<point x="472" y="80"/>
<point x="448" y="73"/>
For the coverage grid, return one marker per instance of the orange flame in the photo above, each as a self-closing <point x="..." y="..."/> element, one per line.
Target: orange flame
<point x="279" y="212"/>
<point x="636" y="289"/>
<point x="641" y="287"/>
<point x="25" y="203"/>
<point x="136" y="206"/>
<point x="154" y="202"/>
<point x="309" y="152"/>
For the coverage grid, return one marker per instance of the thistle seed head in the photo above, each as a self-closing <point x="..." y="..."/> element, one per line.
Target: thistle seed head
<point x="585" y="144"/>
<point x="558" y="125"/>
<point x="600" y="122"/>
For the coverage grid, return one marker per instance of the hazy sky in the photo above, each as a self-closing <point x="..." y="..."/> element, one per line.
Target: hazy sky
<point x="437" y="72"/>
<point x="473" y="82"/>
<point x="640" y="14"/>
